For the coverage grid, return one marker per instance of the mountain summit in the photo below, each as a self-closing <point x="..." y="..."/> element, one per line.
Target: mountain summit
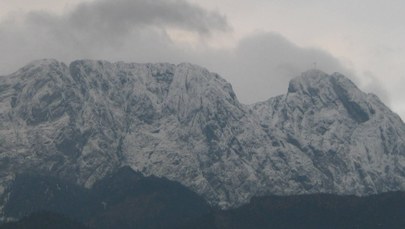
<point x="84" y="121"/>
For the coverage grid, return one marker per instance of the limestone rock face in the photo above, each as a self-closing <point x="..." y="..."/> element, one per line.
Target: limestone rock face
<point x="84" y="121"/>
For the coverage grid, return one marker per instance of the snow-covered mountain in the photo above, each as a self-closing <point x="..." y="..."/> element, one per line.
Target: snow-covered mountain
<point x="83" y="121"/>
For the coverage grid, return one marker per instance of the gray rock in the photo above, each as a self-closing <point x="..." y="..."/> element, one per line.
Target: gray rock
<point x="84" y="121"/>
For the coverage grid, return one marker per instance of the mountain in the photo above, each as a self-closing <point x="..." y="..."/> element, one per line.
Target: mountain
<point x="83" y="122"/>
<point x="44" y="220"/>
<point x="127" y="199"/>
<point x="334" y="138"/>
<point x="123" y="199"/>
<point x="314" y="211"/>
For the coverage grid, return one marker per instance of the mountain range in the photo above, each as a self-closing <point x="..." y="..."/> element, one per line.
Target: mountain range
<point x="84" y="121"/>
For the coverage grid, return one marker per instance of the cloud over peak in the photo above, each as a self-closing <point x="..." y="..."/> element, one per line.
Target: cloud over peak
<point x="98" y="28"/>
<point x="120" y="16"/>
<point x="259" y="65"/>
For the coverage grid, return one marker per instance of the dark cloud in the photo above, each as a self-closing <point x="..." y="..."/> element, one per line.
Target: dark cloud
<point x="103" y="29"/>
<point x="120" y="16"/>
<point x="114" y="21"/>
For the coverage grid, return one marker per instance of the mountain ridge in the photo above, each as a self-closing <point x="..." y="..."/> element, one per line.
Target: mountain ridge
<point x="182" y="122"/>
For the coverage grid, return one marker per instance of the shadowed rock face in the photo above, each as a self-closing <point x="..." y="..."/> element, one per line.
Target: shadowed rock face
<point x="83" y="121"/>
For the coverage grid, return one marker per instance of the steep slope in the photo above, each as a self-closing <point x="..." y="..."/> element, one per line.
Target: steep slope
<point x="351" y="141"/>
<point x="83" y="121"/>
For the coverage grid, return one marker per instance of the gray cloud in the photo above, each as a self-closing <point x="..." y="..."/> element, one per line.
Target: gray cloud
<point x="120" y="16"/>
<point x="101" y="29"/>
<point x="262" y="64"/>
<point x="259" y="67"/>
<point x="375" y="86"/>
<point x="106" y="22"/>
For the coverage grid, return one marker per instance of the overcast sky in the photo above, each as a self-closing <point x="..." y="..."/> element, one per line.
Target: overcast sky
<point x="257" y="45"/>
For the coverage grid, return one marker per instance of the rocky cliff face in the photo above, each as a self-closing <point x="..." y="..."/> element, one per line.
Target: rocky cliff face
<point x="334" y="137"/>
<point x="83" y="121"/>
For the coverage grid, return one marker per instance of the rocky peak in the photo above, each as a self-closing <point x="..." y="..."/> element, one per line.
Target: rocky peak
<point x="317" y="90"/>
<point x="185" y="123"/>
<point x="195" y="89"/>
<point x="309" y="79"/>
